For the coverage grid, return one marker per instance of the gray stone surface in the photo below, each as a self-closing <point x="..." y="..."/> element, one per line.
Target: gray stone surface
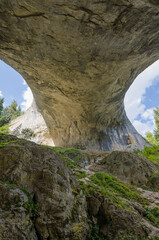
<point x="42" y="199"/>
<point x="127" y="166"/>
<point x="79" y="58"/>
<point x="33" y="175"/>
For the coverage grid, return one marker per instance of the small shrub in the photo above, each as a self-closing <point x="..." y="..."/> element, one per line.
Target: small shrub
<point x="27" y="133"/>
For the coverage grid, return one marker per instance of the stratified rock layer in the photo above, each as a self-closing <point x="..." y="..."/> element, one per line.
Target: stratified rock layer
<point x="79" y="58"/>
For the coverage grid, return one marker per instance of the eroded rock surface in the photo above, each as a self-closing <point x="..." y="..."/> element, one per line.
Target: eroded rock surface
<point x="16" y="222"/>
<point x="127" y="166"/>
<point x="52" y="211"/>
<point x="79" y="58"/>
<point x="45" y="194"/>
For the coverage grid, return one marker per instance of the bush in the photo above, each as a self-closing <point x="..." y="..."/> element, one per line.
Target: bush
<point x="27" y="133"/>
<point x="151" y="153"/>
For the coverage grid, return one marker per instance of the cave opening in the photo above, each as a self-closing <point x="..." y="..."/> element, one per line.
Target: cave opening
<point x="26" y="121"/>
<point x="14" y="87"/>
<point x="142" y="97"/>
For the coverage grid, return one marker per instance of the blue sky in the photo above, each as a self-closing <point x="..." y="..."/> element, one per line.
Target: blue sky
<point x="140" y="99"/>
<point x="13" y="86"/>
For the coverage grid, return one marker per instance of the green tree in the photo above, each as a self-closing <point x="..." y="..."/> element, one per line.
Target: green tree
<point x="151" y="138"/>
<point x="1" y="105"/>
<point x="156" y="118"/>
<point x="9" y="113"/>
<point x="154" y="137"/>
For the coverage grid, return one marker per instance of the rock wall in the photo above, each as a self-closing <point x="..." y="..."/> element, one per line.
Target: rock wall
<point x="45" y="194"/>
<point x="33" y="120"/>
<point x="79" y="58"/>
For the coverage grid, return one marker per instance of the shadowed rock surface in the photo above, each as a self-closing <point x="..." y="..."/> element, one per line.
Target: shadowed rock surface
<point x="45" y="194"/>
<point x="79" y="58"/>
<point x="45" y="179"/>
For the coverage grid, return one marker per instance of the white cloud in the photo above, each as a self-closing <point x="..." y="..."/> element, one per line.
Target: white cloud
<point x="24" y="82"/>
<point x="1" y="95"/>
<point x="28" y="99"/>
<point x="142" y="128"/>
<point x="148" y="115"/>
<point x="134" y="96"/>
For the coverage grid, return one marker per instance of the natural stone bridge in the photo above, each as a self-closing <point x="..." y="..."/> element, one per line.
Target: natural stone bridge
<point x="79" y="57"/>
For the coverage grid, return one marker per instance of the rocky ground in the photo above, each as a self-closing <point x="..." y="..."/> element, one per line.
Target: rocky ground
<point x="46" y="194"/>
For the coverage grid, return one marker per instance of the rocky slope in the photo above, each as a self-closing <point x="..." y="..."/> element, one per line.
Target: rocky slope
<point x="45" y="194"/>
<point x="79" y="58"/>
<point x="33" y="120"/>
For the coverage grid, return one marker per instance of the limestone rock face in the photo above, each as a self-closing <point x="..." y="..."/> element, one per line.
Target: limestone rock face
<point x="45" y="194"/>
<point x="37" y="199"/>
<point x="79" y="58"/>
<point x="32" y="119"/>
<point x="15" y="220"/>
<point x="127" y="166"/>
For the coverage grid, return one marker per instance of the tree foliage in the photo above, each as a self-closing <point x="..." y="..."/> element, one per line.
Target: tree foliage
<point x="8" y="113"/>
<point x="154" y="137"/>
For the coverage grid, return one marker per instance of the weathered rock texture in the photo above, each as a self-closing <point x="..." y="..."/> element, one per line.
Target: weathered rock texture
<point x="33" y="120"/>
<point x="42" y="199"/>
<point x="127" y="166"/>
<point x="53" y="210"/>
<point x="79" y="58"/>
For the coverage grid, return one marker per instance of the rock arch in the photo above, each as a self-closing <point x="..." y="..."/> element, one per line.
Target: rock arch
<point x="79" y="58"/>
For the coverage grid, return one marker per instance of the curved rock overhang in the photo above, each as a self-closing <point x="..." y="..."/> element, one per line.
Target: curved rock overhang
<point x="79" y="58"/>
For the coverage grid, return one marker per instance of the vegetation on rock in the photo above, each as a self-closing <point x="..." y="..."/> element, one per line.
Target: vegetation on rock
<point x="27" y="133"/>
<point x="78" y="203"/>
<point x="8" y="113"/>
<point x="151" y="153"/>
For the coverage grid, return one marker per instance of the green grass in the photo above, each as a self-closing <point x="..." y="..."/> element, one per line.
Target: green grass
<point x="153" y="215"/>
<point x="112" y="184"/>
<point x="6" y="143"/>
<point x="71" y="156"/>
<point x="106" y="185"/>
<point x="80" y="175"/>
